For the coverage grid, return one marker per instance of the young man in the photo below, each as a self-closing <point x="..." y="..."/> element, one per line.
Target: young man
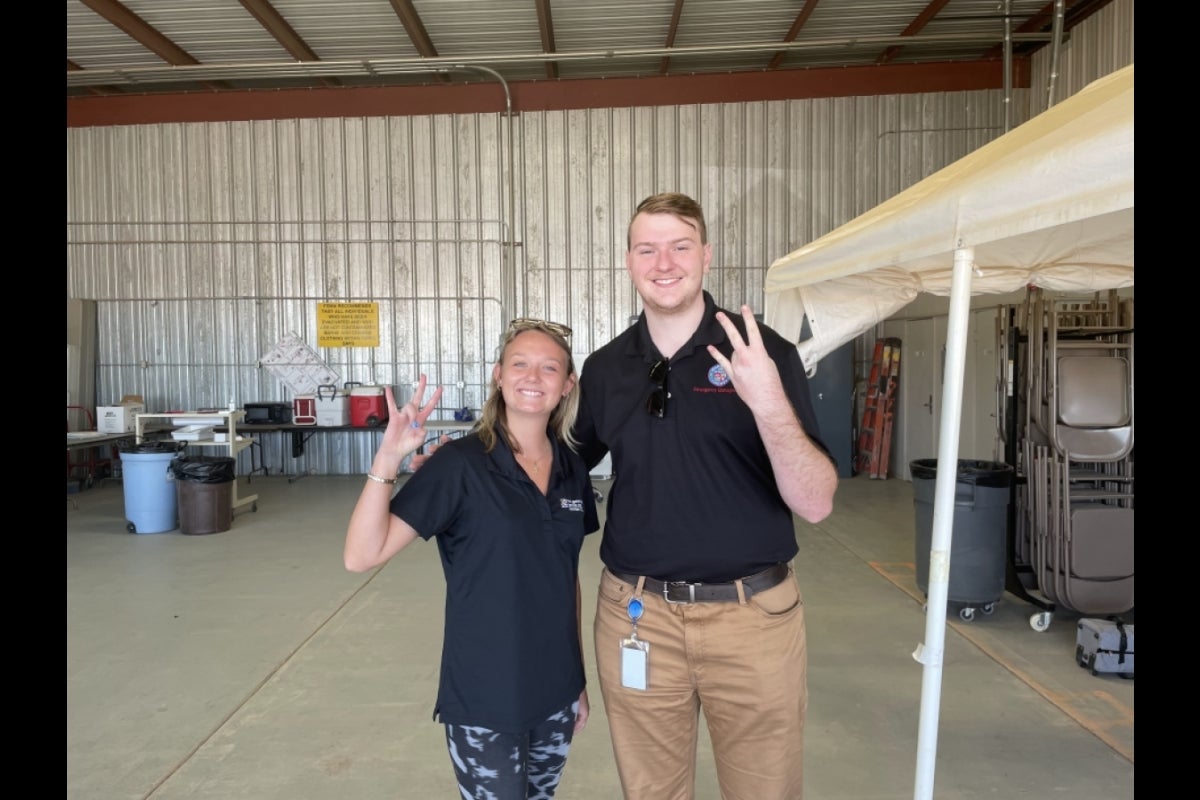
<point x="714" y="446"/>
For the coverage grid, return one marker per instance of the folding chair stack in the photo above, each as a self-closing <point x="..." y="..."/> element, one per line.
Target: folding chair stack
<point x="1074" y="508"/>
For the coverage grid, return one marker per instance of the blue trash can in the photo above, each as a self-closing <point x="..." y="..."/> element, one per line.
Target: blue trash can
<point x="150" y="504"/>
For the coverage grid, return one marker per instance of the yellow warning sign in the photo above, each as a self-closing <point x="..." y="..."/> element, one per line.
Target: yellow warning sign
<point x="347" y="324"/>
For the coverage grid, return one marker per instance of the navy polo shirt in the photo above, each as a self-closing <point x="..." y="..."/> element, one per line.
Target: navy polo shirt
<point x="693" y="496"/>
<point x="510" y="648"/>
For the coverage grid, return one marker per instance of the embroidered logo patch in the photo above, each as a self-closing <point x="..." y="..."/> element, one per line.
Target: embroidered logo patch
<point x="717" y="375"/>
<point x="570" y="505"/>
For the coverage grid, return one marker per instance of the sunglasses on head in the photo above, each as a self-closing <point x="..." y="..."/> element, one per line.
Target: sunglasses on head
<point x="530" y="324"/>
<point x="656" y="403"/>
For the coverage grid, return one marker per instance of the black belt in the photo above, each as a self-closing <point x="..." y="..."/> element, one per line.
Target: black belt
<point x="685" y="592"/>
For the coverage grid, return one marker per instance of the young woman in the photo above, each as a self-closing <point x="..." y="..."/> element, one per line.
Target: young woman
<point x="509" y="505"/>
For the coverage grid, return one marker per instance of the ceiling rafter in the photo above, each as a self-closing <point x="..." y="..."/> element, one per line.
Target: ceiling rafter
<point x="148" y="46"/>
<point x="916" y="26"/>
<point x="411" y="21"/>
<point x="285" y="34"/>
<point x="672" y="29"/>
<point x="146" y="35"/>
<point x="1074" y="12"/>
<point x="140" y="31"/>
<point x="96" y="90"/>
<point x="546" y="28"/>
<point x="794" y="31"/>
<point x="415" y="29"/>
<point x="1035" y="23"/>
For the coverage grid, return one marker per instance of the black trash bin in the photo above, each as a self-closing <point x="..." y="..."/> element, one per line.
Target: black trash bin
<point x="204" y="486"/>
<point x="977" y="547"/>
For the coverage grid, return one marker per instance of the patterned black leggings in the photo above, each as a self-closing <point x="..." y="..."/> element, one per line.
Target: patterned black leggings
<point x="511" y="766"/>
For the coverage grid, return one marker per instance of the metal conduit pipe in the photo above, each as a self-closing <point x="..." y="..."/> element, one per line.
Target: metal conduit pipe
<point x="508" y="266"/>
<point x="508" y="213"/>
<point x="1007" y="65"/>
<point x="507" y="216"/>
<point x="376" y="68"/>
<point x="1055" y="44"/>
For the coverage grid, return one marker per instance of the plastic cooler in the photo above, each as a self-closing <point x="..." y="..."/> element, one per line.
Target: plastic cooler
<point x="333" y="406"/>
<point x="150" y="504"/>
<point x="304" y="409"/>
<point x="368" y="406"/>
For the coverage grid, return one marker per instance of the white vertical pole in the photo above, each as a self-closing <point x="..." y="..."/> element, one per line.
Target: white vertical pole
<point x="930" y="653"/>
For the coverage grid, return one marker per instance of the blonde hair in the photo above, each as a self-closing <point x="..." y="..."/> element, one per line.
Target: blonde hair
<point x="676" y="204"/>
<point x="493" y="421"/>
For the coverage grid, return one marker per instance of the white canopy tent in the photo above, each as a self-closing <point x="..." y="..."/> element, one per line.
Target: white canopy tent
<point x="1048" y="204"/>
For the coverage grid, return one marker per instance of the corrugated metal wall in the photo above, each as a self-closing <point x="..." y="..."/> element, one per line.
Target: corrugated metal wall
<point x="205" y="244"/>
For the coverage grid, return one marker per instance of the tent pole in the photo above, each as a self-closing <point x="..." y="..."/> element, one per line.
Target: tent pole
<point x="930" y="653"/>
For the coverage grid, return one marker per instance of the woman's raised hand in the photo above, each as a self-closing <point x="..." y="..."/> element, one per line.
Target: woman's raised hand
<point x="406" y="424"/>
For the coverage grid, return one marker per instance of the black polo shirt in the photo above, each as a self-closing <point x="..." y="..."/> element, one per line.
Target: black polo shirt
<point x="510" y="649"/>
<point x="693" y="495"/>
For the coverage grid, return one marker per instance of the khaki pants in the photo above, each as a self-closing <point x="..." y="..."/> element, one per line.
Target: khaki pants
<point x="742" y="662"/>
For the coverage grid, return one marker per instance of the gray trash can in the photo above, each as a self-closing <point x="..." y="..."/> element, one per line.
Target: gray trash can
<point x="204" y="486"/>
<point x="978" y="543"/>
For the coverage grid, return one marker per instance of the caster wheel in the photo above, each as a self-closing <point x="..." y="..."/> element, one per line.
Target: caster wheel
<point x="1126" y="675"/>
<point x="1040" y="622"/>
<point x="373" y="421"/>
<point x="1091" y="664"/>
<point x="1079" y="657"/>
<point x="988" y="608"/>
<point x="254" y="507"/>
<point x="966" y="614"/>
<point x="130" y="527"/>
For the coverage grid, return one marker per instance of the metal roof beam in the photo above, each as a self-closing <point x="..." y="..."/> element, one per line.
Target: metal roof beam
<point x="672" y="29"/>
<point x="285" y="34"/>
<point x="794" y="31"/>
<point x="546" y="29"/>
<point x="916" y="26"/>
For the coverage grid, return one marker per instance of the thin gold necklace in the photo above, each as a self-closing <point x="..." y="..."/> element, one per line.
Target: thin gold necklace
<point x="536" y="465"/>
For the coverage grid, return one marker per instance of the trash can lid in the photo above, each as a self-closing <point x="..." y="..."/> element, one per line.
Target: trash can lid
<point x="970" y="471"/>
<point x="152" y="447"/>
<point x="204" y="469"/>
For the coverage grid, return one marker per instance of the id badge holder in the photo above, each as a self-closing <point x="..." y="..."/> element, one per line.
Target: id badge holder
<point x="635" y="654"/>
<point x="635" y="657"/>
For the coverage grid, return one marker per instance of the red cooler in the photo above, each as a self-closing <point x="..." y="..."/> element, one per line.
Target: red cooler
<point x="304" y="409"/>
<point x="368" y="407"/>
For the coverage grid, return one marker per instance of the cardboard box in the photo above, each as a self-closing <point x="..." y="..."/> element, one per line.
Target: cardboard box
<point x="121" y="417"/>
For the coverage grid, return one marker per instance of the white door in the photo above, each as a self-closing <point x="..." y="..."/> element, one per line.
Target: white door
<point x="922" y="372"/>
<point x="915" y="426"/>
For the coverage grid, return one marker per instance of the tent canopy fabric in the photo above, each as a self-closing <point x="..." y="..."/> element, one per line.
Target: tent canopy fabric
<point x="1048" y="204"/>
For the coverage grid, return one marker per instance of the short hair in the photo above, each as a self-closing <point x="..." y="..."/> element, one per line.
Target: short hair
<point x="679" y="205"/>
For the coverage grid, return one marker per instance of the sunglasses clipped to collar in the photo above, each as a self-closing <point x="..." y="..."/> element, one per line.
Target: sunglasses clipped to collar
<point x="656" y="403"/>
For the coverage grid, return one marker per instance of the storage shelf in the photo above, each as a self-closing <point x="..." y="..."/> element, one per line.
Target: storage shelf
<point x="225" y="419"/>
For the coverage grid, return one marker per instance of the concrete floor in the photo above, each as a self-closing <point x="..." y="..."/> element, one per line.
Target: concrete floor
<point x="251" y="664"/>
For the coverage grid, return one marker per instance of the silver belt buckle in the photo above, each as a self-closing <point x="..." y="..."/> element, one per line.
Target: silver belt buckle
<point x="667" y="592"/>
